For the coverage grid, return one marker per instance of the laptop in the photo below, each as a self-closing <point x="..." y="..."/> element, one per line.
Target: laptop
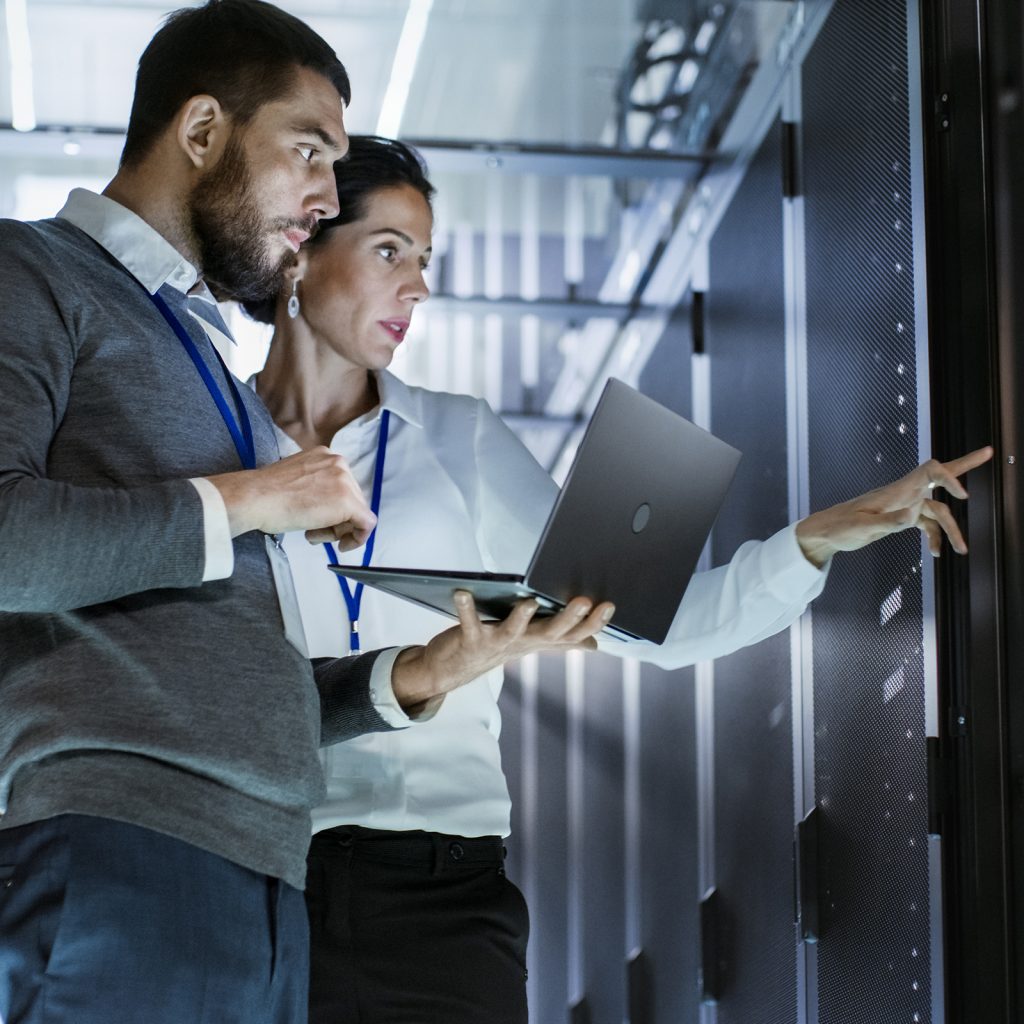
<point x="628" y="525"/>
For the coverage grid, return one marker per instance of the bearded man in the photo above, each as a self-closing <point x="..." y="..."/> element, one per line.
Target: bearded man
<point x="160" y="724"/>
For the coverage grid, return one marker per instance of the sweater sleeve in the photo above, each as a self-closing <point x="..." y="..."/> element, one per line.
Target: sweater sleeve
<point x="65" y="545"/>
<point x="347" y="707"/>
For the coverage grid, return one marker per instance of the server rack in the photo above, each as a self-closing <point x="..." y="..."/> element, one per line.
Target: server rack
<point x="800" y="868"/>
<point x="974" y="149"/>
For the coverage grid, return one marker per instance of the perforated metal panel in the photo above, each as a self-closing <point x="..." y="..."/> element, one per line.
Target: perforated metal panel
<point x="548" y="852"/>
<point x="602" y="891"/>
<point x="746" y="346"/>
<point x="666" y="377"/>
<point x="753" y="869"/>
<point x="873" y="959"/>
<point x="668" y="850"/>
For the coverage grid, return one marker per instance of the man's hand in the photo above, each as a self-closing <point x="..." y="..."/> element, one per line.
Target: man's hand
<point x="313" y="490"/>
<point x="898" y="506"/>
<point x="473" y="647"/>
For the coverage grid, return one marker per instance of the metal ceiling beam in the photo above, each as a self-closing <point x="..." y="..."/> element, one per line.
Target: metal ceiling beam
<point x="62" y="142"/>
<point x="449" y="155"/>
<point x="468" y="157"/>
<point x="578" y="310"/>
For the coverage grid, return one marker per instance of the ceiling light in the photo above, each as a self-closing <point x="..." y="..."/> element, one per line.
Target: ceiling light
<point x="662" y="138"/>
<point x="638" y="124"/>
<point x="19" y="52"/>
<point x="688" y="72"/>
<point x="403" y="68"/>
<point x="671" y="41"/>
<point x="630" y="270"/>
<point x="702" y="41"/>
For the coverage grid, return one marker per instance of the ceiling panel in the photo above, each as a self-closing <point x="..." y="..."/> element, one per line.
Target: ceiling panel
<point x="534" y="70"/>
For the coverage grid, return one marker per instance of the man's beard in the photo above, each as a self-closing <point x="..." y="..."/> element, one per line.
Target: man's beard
<point x="232" y="236"/>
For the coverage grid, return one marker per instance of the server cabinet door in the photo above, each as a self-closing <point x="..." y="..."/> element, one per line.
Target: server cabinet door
<point x="753" y="738"/>
<point x="864" y="358"/>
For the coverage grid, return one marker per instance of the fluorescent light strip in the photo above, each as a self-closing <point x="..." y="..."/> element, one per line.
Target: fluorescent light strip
<point x="19" y="50"/>
<point x="574" y="229"/>
<point x="403" y="68"/>
<point x="494" y="240"/>
<point x="529" y="239"/>
<point x="493" y="366"/>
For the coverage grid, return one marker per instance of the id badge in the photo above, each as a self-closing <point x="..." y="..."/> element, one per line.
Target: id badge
<point x="286" y="596"/>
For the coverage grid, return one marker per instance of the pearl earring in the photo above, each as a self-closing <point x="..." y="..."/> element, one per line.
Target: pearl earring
<point x="293" y="300"/>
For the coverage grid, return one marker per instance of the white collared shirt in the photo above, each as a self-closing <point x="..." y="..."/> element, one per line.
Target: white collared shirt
<point x="154" y="262"/>
<point x="461" y="492"/>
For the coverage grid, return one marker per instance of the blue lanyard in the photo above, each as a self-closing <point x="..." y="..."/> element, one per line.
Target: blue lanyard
<point x="241" y="431"/>
<point x="353" y="601"/>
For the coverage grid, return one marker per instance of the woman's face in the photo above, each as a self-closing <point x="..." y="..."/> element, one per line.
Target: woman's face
<point x="361" y="282"/>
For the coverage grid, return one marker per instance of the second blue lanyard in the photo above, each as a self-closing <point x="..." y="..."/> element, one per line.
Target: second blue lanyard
<point x="353" y="599"/>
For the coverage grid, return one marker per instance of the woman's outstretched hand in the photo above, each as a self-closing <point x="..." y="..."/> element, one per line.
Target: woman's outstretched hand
<point x="898" y="506"/>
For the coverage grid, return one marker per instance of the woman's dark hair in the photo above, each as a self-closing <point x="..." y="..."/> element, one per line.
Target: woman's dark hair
<point x="371" y="165"/>
<point x="243" y="52"/>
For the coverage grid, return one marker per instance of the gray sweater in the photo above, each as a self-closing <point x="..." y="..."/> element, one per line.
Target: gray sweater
<point x="129" y="689"/>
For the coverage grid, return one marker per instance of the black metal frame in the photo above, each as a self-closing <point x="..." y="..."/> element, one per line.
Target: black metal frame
<point x="974" y="139"/>
<point x="1006" y="67"/>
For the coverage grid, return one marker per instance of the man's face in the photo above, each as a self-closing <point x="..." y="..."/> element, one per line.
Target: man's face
<point x="272" y="184"/>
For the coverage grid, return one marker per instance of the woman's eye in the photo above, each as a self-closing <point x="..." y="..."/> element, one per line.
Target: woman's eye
<point x="306" y="152"/>
<point x="389" y="252"/>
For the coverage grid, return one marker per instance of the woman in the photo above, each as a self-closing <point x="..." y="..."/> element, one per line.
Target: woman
<point x="412" y="917"/>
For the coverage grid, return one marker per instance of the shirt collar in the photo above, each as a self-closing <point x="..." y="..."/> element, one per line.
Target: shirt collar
<point x="140" y="248"/>
<point x="396" y="396"/>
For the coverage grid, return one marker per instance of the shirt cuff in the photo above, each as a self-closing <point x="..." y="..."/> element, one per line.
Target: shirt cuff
<point x="786" y="570"/>
<point x="219" y="550"/>
<point x="383" y="696"/>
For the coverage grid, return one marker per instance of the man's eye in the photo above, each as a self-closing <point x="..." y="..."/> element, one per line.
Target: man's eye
<point x="306" y="152"/>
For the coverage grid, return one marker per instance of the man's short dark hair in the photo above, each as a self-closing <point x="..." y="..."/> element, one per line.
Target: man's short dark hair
<point x="242" y="52"/>
<point x="372" y="165"/>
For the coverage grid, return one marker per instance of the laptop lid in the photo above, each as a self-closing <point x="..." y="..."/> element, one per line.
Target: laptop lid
<point x="635" y="511"/>
<point x="628" y="525"/>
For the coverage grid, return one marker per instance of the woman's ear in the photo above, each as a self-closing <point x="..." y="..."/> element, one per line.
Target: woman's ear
<point x="201" y="131"/>
<point x="292" y="279"/>
<point x="297" y="271"/>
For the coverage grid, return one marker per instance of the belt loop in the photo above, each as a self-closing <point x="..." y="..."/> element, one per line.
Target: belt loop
<point x="439" y="850"/>
<point x="346" y="841"/>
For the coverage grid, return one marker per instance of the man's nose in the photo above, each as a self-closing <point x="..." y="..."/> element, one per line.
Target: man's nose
<point x="323" y="204"/>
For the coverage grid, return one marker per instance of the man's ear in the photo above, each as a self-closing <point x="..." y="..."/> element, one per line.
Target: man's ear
<point x="202" y="130"/>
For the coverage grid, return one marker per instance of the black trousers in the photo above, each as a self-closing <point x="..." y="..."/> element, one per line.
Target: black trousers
<point x="413" y="928"/>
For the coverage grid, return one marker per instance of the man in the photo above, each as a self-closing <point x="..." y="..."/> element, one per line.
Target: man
<point x="160" y="723"/>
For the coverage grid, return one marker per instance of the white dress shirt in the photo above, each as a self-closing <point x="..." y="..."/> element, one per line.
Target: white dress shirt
<point x="461" y="492"/>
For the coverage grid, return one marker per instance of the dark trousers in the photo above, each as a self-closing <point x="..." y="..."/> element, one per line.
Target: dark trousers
<point x="413" y="928"/>
<point x="107" y="923"/>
